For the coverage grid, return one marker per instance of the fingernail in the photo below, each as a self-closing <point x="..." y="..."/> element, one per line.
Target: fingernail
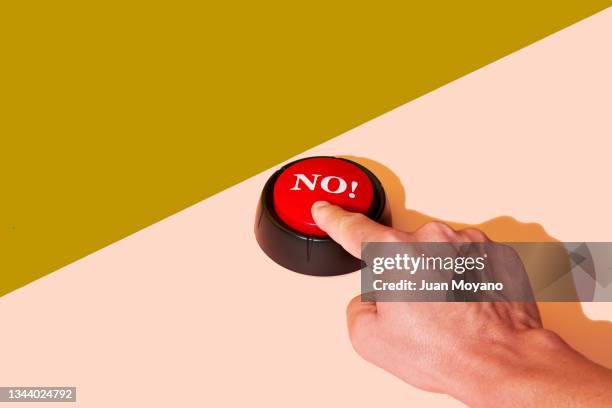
<point x="319" y="204"/>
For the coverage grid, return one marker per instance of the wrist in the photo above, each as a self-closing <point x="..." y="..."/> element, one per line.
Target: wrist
<point x="533" y="367"/>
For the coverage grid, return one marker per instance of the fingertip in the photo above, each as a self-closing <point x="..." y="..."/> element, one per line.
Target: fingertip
<point x="317" y="208"/>
<point x="318" y="205"/>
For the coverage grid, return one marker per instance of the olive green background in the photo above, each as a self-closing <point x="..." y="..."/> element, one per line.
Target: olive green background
<point x="115" y="114"/>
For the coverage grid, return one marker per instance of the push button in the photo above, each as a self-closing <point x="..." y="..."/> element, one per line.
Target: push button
<point x="284" y="226"/>
<point x="329" y="179"/>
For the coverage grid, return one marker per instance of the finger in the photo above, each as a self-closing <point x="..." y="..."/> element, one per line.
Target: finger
<point x="351" y="229"/>
<point x="358" y="307"/>
<point x="360" y="318"/>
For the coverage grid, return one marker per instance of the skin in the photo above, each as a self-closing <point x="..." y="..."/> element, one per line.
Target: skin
<point x="481" y="353"/>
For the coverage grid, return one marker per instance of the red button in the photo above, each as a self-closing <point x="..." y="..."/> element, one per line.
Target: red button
<point x="321" y="178"/>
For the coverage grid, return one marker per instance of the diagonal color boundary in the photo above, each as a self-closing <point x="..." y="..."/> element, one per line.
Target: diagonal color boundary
<point x="115" y="117"/>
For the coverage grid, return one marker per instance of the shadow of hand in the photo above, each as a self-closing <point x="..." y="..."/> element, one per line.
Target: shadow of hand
<point x="567" y="319"/>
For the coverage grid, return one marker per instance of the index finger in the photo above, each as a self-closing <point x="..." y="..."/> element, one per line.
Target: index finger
<point x="351" y="229"/>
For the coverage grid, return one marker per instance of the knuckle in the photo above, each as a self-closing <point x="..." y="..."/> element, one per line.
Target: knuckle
<point x="392" y="235"/>
<point x="550" y="339"/>
<point x="473" y="234"/>
<point x="437" y="230"/>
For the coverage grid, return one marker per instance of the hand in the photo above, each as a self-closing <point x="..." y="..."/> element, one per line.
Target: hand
<point x="483" y="353"/>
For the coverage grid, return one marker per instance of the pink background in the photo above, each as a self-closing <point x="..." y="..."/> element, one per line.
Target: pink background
<point x="190" y="312"/>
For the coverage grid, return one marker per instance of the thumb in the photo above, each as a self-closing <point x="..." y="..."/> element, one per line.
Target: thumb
<point x="351" y="229"/>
